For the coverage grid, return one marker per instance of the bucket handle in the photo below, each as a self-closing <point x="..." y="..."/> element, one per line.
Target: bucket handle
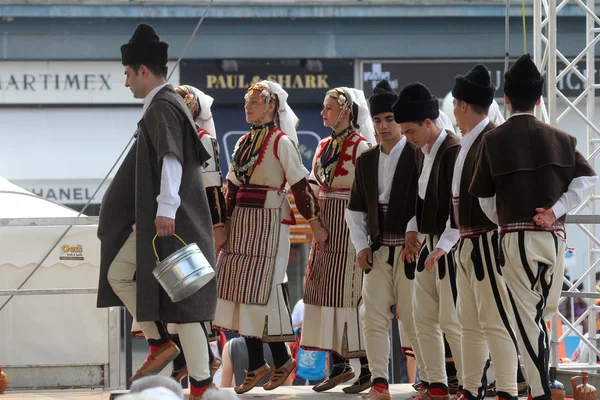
<point x="154" y="245"/>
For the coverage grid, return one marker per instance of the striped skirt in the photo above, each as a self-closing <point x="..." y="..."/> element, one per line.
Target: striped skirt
<point x="332" y="290"/>
<point x="253" y="297"/>
<point x="333" y="278"/>
<point x="245" y="267"/>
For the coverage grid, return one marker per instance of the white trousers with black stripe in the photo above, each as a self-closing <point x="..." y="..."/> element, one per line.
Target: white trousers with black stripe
<point x="533" y="271"/>
<point x="483" y="313"/>
<point x="121" y="275"/>
<point x="434" y="306"/>
<point x="389" y="282"/>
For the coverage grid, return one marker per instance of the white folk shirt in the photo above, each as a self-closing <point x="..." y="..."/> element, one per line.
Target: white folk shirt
<point x="357" y="221"/>
<point x="450" y="236"/>
<point x="170" y="179"/>
<point x="466" y="142"/>
<point x="579" y="188"/>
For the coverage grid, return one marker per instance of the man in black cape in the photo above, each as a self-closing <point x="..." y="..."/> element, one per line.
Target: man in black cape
<point x="158" y="190"/>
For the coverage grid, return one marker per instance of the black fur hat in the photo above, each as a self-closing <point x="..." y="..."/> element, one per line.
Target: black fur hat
<point x="383" y="98"/>
<point x="416" y="103"/>
<point x="475" y="87"/>
<point x="144" y="47"/>
<point x="523" y="80"/>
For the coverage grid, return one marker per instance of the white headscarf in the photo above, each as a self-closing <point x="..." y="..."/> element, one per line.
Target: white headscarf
<point x="443" y="121"/>
<point x="495" y="115"/>
<point x="288" y="121"/>
<point x="363" y="119"/>
<point x="205" y="119"/>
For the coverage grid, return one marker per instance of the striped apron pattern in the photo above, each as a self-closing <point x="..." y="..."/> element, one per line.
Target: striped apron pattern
<point x="245" y="267"/>
<point x="333" y="277"/>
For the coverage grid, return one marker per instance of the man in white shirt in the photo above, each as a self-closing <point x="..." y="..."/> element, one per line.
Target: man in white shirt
<point x="157" y="190"/>
<point x="482" y="302"/>
<point x="385" y="175"/>
<point x="434" y="299"/>
<point x="528" y="175"/>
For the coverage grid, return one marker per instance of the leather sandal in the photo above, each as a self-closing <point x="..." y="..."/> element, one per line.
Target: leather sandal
<point x="279" y="376"/>
<point x="157" y="361"/>
<point x="252" y="379"/>
<point x="377" y="393"/>
<point x="330" y="383"/>
<point x="214" y="366"/>
<point x="179" y="374"/>
<point x="358" y="387"/>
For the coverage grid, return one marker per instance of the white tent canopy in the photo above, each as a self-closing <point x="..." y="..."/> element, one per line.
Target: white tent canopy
<point x="48" y="329"/>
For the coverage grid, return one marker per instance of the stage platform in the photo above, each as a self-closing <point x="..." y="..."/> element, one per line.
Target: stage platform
<point x="399" y="392"/>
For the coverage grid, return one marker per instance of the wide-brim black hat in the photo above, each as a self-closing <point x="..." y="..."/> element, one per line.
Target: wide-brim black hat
<point x="523" y="80"/>
<point x="475" y="87"/>
<point x="144" y="47"/>
<point x="383" y="98"/>
<point x="416" y="103"/>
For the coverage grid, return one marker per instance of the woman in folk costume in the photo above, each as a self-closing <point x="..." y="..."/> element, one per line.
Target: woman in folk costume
<point x="199" y="104"/>
<point x="253" y="295"/>
<point x="332" y="290"/>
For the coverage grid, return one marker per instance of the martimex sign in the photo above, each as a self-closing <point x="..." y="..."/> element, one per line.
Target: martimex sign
<point x="65" y="82"/>
<point x="44" y="82"/>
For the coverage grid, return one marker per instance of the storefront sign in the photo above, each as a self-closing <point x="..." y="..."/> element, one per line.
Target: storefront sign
<point x="438" y="75"/>
<point x="305" y="82"/>
<point x="71" y="193"/>
<point x="66" y="82"/>
<point x="71" y="253"/>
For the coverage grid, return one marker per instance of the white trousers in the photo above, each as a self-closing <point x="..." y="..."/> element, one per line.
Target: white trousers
<point x="533" y="271"/>
<point x="121" y="276"/>
<point x="434" y="306"/>
<point x="483" y="313"/>
<point x="385" y="285"/>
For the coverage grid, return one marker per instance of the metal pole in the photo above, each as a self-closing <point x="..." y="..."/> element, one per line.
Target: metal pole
<point x="551" y="105"/>
<point x="44" y="292"/>
<point x="591" y="104"/>
<point x="128" y="346"/>
<point x="506" y="45"/>
<point x="114" y="348"/>
<point x="551" y="71"/>
<point x="538" y="50"/>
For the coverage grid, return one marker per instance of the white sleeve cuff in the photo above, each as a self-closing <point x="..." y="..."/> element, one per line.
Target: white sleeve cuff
<point x="168" y="199"/>
<point x="559" y="209"/>
<point x="449" y="238"/>
<point x="445" y="244"/>
<point x="412" y="225"/>
<point x="166" y="210"/>
<point x="361" y="246"/>
<point x="358" y="226"/>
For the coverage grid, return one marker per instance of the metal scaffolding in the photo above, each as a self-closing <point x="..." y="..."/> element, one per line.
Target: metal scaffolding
<point x="547" y="56"/>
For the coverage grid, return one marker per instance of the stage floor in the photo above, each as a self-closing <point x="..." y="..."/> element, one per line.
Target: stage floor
<point x="399" y="392"/>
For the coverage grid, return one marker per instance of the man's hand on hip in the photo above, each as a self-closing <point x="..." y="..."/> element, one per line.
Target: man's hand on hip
<point x="412" y="245"/>
<point x="164" y="226"/>
<point x="365" y="259"/>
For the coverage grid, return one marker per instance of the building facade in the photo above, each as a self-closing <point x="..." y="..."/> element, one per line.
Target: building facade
<point x="65" y="115"/>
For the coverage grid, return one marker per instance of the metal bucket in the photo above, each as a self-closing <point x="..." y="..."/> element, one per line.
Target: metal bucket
<point x="184" y="272"/>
